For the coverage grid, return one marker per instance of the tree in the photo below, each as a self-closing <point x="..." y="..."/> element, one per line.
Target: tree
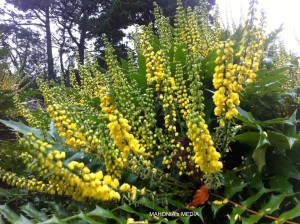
<point x="37" y="13"/>
<point x="26" y="51"/>
<point x="120" y="14"/>
<point x="75" y="17"/>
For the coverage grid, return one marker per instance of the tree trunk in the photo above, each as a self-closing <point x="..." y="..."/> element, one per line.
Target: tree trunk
<point x="81" y="46"/>
<point x="51" y="75"/>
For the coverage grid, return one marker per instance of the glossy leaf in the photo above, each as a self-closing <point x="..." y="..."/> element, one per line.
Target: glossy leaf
<point x="101" y="212"/>
<point x="259" y="157"/>
<point x="22" y="128"/>
<point x="250" y="138"/>
<point x="146" y="202"/>
<point x="31" y="211"/>
<point x="280" y="142"/>
<point x="8" y="214"/>
<point x="292" y="213"/>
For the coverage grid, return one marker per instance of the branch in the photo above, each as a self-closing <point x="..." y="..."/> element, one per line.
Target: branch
<point x="71" y="35"/>
<point x="38" y="16"/>
<point x="254" y="212"/>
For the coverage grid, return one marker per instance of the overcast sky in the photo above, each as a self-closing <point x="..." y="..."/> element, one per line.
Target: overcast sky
<point x="278" y="12"/>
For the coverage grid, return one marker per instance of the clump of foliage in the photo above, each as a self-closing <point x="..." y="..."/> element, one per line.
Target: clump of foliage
<point x="153" y="129"/>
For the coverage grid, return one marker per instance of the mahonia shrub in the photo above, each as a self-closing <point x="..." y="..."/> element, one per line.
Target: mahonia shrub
<point x="147" y="115"/>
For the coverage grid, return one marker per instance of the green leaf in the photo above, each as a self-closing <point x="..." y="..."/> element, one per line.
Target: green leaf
<point x="54" y="133"/>
<point x="247" y="118"/>
<point x="175" y="203"/>
<point x="180" y="55"/>
<point x="22" y="128"/>
<point x="23" y="220"/>
<point x="101" y="212"/>
<point x="250" y="200"/>
<point x="76" y="156"/>
<point x="127" y="208"/>
<point x="89" y="219"/>
<point x="142" y="64"/>
<point x="198" y="211"/>
<point x="273" y="204"/>
<point x="146" y="202"/>
<point x="281" y="184"/>
<point x="185" y="219"/>
<point x="236" y="212"/>
<point x="53" y="220"/>
<point x="252" y="218"/>
<point x="31" y="211"/>
<point x="250" y="138"/>
<point x="292" y="213"/>
<point x="5" y="193"/>
<point x="233" y="188"/>
<point x="129" y="177"/>
<point x="259" y="157"/>
<point x="279" y="141"/>
<point x="281" y="165"/>
<point x="9" y="214"/>
<point x="1" y="220"/>
<point x="263" y="141"/>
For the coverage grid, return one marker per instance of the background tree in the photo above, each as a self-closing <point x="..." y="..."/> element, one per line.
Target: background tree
<point x="120" y="15"/>
<point x="26" y="53"/>
<point x="36" y="13"/>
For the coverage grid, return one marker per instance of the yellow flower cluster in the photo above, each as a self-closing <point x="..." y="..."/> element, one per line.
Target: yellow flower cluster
<point x="72" y="179"/>
<point x="66" y="126"/>
<point x="119" y="128"/>
<point x="25" y="112"/>
<point x="229" y="78"/>
<point x="93" y="185"/>
<point x="182" y="93"/>
<point x="132" y="190"/>
<point x="226" y="97"/>
<point x="192" y="28"/>
<point x="206" y="155"/>
<point x="32" y="184"/>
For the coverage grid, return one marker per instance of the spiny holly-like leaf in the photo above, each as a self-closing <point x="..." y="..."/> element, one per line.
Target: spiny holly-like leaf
<point x="281" y="165"/>
<point x="281" y="184"/>
<point x="250" y="138"/>
<point x="127" y="208"/>
<point x="22" y="128"/>
<point x="280" y="142"/>
<point x="146" y="202"/>
<point x="53" y="220"/>
<point x="31" y="211"/>
<point x="250" y="200"/>
<point x="185" y="219"/>
<point x="291" y="214"/>
<point x="23" y="220"/>
<point x="273" y="204"/>
<point x="198" y="211"/>
<point x="233" y="185"/>
<point x="101" y="212"/>
<point x="84" y="217"/>
<point x="54" y="133"/>
<point x="1" y="220"/>
<point x="234" y="188"/>
<point x="8" y="214"/>
<point x="246" y="117"/>
<point x="259" y="157"/>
